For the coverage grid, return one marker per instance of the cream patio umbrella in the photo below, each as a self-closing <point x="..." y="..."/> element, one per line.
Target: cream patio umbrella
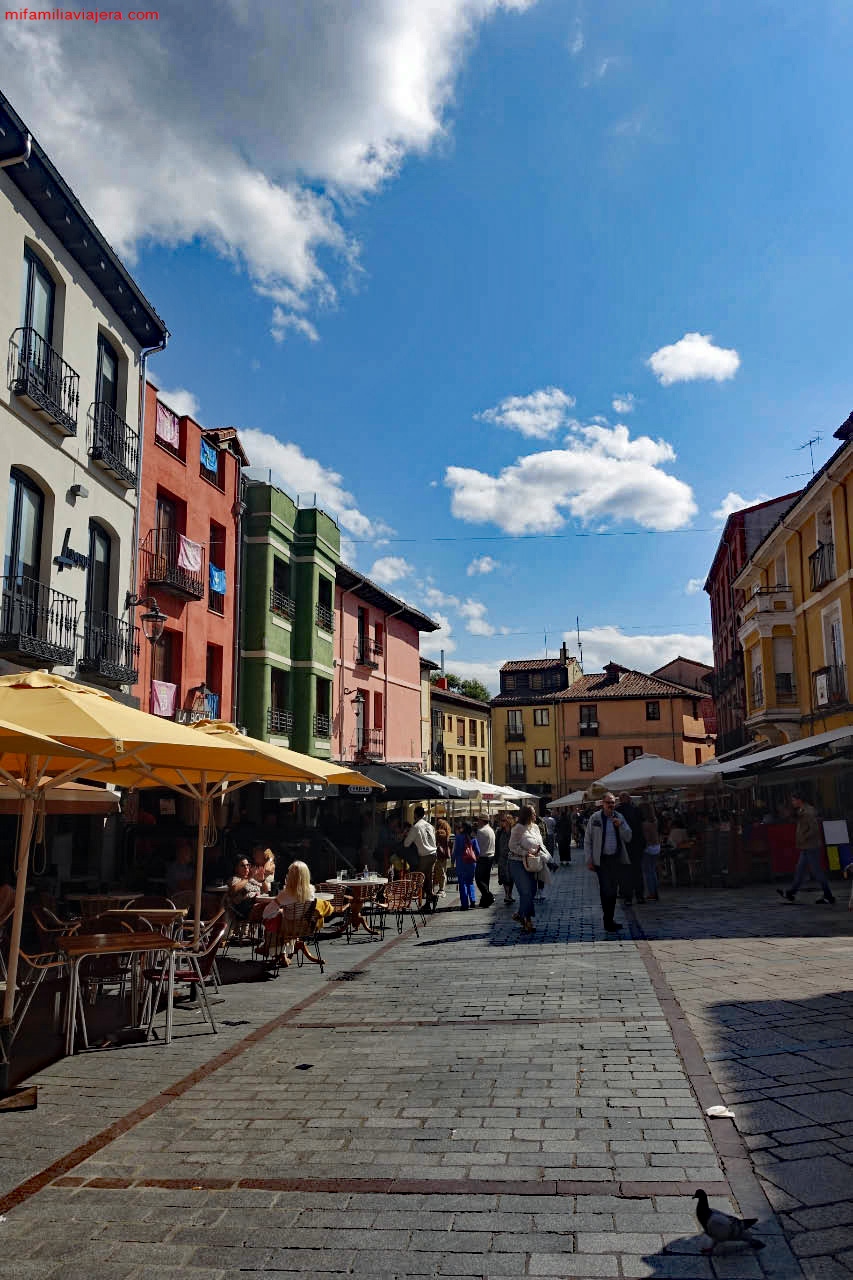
<point x="126" y="747"/>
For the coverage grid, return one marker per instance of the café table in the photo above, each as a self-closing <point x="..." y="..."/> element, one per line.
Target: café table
<point x="359" y="888"/>
<point x="166" y="920"/>
<point x="94" y="904"/>
<point x="79" y="947"/>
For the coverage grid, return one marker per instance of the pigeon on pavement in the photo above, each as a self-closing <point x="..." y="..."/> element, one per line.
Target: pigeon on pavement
<point x="720" y="1228"/>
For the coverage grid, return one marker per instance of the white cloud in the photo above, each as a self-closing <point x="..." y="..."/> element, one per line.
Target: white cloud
<point x="433" y="643"/>
<point x="640" y="652"/>
<point x="538" y="415"/>
<point x="434" y="598"/>
<point x="692" y="358"/>
<point x="626" y="403"/>
<point x="694" y="586"/>
<point x="181" y="402"/>
<point x="600" y="474"/>
<point x="389" y="569"/>
<point x="482" y="564"/>
<point x="487" y="672"/>
<point x="257" y="166"/>
<point x="476" y="622"/>
<point x="300" y="475"/>
<point x="734" y="502"/>
<point x="576" y="41"/>
<point x="283" y="320"/>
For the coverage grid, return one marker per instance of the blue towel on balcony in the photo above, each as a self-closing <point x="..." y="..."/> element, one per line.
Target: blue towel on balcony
<point x="217" y="579"/>
<point x="208" y="456"/>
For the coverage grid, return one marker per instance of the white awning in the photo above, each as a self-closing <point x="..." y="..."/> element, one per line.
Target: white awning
<point x="772" y="756"/>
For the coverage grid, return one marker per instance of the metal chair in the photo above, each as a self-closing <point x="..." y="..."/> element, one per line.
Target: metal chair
<point x="152" y="901"/>
<point x="417" y="878"/>
<point x="193" y="967"/>
<point x="297" y="924"/>
<point x="397" y="902"/>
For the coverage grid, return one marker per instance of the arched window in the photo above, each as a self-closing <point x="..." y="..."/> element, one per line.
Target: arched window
<point x="24" y="520"/>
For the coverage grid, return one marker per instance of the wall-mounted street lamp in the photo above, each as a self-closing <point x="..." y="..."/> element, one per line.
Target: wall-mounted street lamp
<point x="153" y="621"/>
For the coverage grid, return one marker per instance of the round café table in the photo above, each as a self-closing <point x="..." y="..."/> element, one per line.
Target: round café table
<point x="358" y="889"/>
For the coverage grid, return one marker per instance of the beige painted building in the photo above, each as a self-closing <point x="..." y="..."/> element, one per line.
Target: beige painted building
<point x="462" y="739"/>
<point x="76" y="327"/>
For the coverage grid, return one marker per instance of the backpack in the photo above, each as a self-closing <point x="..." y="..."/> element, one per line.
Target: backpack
<point x="468" y="854"/>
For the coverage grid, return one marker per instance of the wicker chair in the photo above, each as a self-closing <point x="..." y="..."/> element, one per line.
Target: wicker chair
<point x="339" y="923"/>
<point x="296" y="925"/>
<point x="417" y="878"/>
<point x="397" y="902"/>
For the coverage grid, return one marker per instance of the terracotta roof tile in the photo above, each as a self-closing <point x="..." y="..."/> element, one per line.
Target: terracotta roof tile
<point x="532" y="664"/>
<point x="632" y="684"/>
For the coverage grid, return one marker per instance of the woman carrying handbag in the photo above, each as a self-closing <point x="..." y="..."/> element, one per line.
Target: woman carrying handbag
<point x="526" y="858"/>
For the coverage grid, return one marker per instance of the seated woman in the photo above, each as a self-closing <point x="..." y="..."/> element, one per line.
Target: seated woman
<point x="262" y="856"/>
<point x="297" y="888"/>
<point x="244" y="888"/>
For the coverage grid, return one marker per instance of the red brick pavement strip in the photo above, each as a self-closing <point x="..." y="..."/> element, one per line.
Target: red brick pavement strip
<point x="472" y="1023"/>
<point x="728" y="1143"/>
<point x="55" y="1172"/>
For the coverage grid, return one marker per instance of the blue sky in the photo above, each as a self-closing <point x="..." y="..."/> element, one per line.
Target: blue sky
<point x="441" y="265"/>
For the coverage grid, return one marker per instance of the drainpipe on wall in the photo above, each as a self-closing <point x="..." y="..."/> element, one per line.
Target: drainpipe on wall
<point x="22" y="158"/>
<point x="143" y="372"/>
<point x="239" y="509"/>
<point x="388" y="617"/>
<point x="351" y="591"/>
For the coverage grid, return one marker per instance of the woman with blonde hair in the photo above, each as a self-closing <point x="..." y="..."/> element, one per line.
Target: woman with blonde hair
<point x="526" y="855"/>
<point x="297" y="888"/>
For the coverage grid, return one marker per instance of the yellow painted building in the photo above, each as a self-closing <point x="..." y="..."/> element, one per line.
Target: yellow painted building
<point x="794" y="603"/>
<point x="524" y="722"/>
<point x="461" y="735"/>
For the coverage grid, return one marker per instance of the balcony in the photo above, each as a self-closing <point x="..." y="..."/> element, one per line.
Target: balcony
<point x="325" y="617"/>
<point x="779" y="599"/>
<point x="110" y="649"/>
<point x="514" y="733"/>
<point x="786" y="689"/>
<point x="37" y="623"/>
<point x="112" y="443"/>
<point x="372" y="746"/>
<point x="282" y="605"/>
<point x="322" y="726"/>
<point x="39" y="375"/>
<point x="174" y="563"/>
<point x="588" y="730"/>
<point x="516" y="776"/>
<point x="829" y="686"/>
<point x="822" y="565"/>
<point x="280" y="721"/>
<point x="363" y="654"/>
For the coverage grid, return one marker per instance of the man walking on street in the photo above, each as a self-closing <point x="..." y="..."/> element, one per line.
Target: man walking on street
<point x="810" y="844"/>
<point x="422" y="835"/>
<point x="486" y="841"/>
<point x="606" y="847"/>
<point x="632" y="878"/>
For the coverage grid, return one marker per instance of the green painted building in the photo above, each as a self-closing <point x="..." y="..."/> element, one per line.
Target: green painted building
<point x="290" y="555"/>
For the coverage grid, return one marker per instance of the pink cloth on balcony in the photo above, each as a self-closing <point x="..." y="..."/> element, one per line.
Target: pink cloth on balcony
<point x="189" y="554"/>
<point x="166" y="427"/>
<point x="163" y="697"/>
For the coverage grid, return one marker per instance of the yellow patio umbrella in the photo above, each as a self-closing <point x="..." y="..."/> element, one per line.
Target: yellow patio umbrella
<point x="302" y="768"/>
<point x="126" y="747"/>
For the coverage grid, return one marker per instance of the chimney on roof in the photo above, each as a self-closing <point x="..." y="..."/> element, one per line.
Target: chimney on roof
<point x="564" y="654"/>
<point x="613" y="672"/>
<point x="440" y="683"/>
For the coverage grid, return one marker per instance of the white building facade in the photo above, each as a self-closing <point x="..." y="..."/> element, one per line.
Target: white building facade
<point x="77" y="331"/>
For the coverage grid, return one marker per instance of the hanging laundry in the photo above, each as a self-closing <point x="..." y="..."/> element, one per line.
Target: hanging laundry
<point x="190" y="554"/>
<point x="209" y="456"/>
<point x="217" y="579"/>
<point x="163" y="697"/>
<point x="166" y="427"/>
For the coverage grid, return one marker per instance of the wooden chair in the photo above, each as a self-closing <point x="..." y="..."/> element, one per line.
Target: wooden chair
<point x="298" y="926"/>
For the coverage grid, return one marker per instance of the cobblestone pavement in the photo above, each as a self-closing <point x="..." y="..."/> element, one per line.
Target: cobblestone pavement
<point x="468" y="1103"/>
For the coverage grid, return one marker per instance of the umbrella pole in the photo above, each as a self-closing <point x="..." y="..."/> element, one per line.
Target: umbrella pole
<point x="24" y="838"/>
<point x="203" y="817"/>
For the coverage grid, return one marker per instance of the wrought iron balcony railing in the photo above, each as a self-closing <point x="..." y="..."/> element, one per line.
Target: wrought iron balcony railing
<point x="514" y="733"/>
<point x="282" y="604"/>
<point x="112" y="443"/>
<point x="786" y="689"/>
<point x="174" y="563"/>
<point x="37" y="622"/>
<point x="363" y="654"/>
<point x="757" y="688"/>
<point x="515" y="776"/>
<point x="322" y="726"/>
<point x="110" y="648"/>
<point x="39" y="375"/>
<point x="280" y="721"/>
<point x="829" y="685"/>
<point x="822" y="565"/>
<point x="373" y="745"/>
<point x="589" y="730"/>
<point x="325" y="617"/>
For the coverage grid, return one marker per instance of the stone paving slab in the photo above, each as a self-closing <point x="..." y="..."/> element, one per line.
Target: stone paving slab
<point x="476" y="1103"/>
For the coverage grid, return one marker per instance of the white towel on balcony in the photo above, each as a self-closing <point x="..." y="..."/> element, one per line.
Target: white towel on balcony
<point x="166" y="427"/>
<point x="189" y="554"/>
<point x="163" y="698"/>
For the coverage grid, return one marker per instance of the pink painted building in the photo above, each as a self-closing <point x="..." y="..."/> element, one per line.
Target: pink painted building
<point x="376" y="690"/>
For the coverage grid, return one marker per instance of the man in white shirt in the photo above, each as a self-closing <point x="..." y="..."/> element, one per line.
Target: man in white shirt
<point x="486" y="842"/>
<point x="421" y="834"/>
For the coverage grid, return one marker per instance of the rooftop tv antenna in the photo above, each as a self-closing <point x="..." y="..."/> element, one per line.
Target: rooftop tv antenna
<point x="580" y="645"/>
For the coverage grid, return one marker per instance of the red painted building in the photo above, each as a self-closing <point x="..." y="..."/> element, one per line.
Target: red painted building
<point x="742" y="533"/>
<point x="189" y="545"/>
